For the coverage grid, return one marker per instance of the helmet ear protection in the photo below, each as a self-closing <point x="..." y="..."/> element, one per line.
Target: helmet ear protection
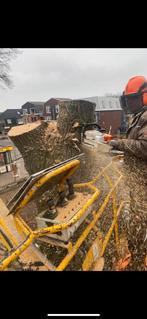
<point x="143" y="86"/>
<point x="144" y="93"/>
<point x="130" y="103"/>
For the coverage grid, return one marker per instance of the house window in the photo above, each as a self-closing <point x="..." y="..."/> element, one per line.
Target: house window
<point x="57" y="108"/>
<point x="9" y="121"/>
<point x="25" y="111"/>
<point x="48" y="109"/>
<point x="20" y="121"/>
<point x="32" y="111"/>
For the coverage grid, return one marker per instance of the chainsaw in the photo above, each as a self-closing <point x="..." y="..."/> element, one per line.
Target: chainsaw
<point x="99" y="140"/>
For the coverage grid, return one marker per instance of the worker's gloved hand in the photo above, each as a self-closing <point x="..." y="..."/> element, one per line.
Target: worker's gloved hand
<point x="114" y="144"/>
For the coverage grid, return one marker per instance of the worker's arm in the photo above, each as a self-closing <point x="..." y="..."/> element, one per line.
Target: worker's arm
<point x="138" y="145"/>
<point x="137" y="148"/>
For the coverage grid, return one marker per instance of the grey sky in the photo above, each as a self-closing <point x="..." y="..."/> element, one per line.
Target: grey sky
<point x="39" y="74"/>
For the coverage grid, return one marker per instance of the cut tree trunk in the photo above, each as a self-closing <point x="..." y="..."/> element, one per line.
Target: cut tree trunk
<point x="43" y="144"/>
<point x="73" y="114"/>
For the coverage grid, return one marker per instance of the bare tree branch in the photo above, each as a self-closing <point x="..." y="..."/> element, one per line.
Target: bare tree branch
<point x="6" y="56"/>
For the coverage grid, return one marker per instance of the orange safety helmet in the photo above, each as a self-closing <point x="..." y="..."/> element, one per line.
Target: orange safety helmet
<point x="135" y="95"/>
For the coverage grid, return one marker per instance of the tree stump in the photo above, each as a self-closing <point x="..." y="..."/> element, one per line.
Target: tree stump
<point x="44" y="144"/>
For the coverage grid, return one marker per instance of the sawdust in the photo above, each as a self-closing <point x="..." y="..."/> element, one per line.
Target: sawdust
<point x="133" y="220"/>
<point x="134" y="225"/>
<point x="52" y="125"/>
<point x="52" y="130"/>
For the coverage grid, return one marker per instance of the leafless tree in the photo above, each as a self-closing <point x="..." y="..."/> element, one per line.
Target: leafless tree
<point x="6" y="55"/>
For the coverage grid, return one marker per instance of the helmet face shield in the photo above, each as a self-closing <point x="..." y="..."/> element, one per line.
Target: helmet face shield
<point x="131" y="103"/>
<point x="123" y="103"/>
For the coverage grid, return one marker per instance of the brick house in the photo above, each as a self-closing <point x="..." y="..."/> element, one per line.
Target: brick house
<point x="32" y="111"/>
<point x="51" y="108"/>
<point x="9" y="118"/>
<point x="109" y="114"/>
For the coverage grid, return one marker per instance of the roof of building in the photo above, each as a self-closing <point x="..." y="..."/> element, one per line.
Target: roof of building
<point x="56" y="99"/>
<point x="11" y="113"/>
<point x="105" y="103"/>
<point x="36" y="103"/>
<point x="62" y="99"/>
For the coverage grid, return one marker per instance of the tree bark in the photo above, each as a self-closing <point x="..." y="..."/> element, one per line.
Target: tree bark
<point x="73" y="114"/>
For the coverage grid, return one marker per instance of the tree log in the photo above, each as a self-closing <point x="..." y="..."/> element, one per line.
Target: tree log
<point x="41" y="145"/>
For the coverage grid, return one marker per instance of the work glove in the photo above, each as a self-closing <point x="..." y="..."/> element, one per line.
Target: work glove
<point x="114" y="144"/>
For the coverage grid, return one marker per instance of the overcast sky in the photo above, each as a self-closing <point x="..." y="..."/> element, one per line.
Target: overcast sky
<point x="39" y="74"/>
